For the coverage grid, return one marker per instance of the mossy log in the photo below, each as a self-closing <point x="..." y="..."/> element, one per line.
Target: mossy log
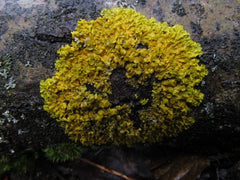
<point x="31" y="33"/>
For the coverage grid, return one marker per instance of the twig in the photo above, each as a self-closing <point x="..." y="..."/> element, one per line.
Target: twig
<point x="111" y="171"/>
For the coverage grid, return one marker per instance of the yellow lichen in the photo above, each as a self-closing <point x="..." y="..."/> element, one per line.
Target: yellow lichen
<point x="159" y="69"/>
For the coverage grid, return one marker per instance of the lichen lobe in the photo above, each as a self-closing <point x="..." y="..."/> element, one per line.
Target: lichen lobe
<point x="125" y="79"/>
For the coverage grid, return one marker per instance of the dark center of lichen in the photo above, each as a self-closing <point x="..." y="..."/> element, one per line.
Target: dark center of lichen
<point x="124" y="93"/>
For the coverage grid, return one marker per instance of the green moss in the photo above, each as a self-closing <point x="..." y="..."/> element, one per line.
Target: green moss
<point x="125" y="79"/>
<point x="22" y="162"/>
<point x="62" y="152"/>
